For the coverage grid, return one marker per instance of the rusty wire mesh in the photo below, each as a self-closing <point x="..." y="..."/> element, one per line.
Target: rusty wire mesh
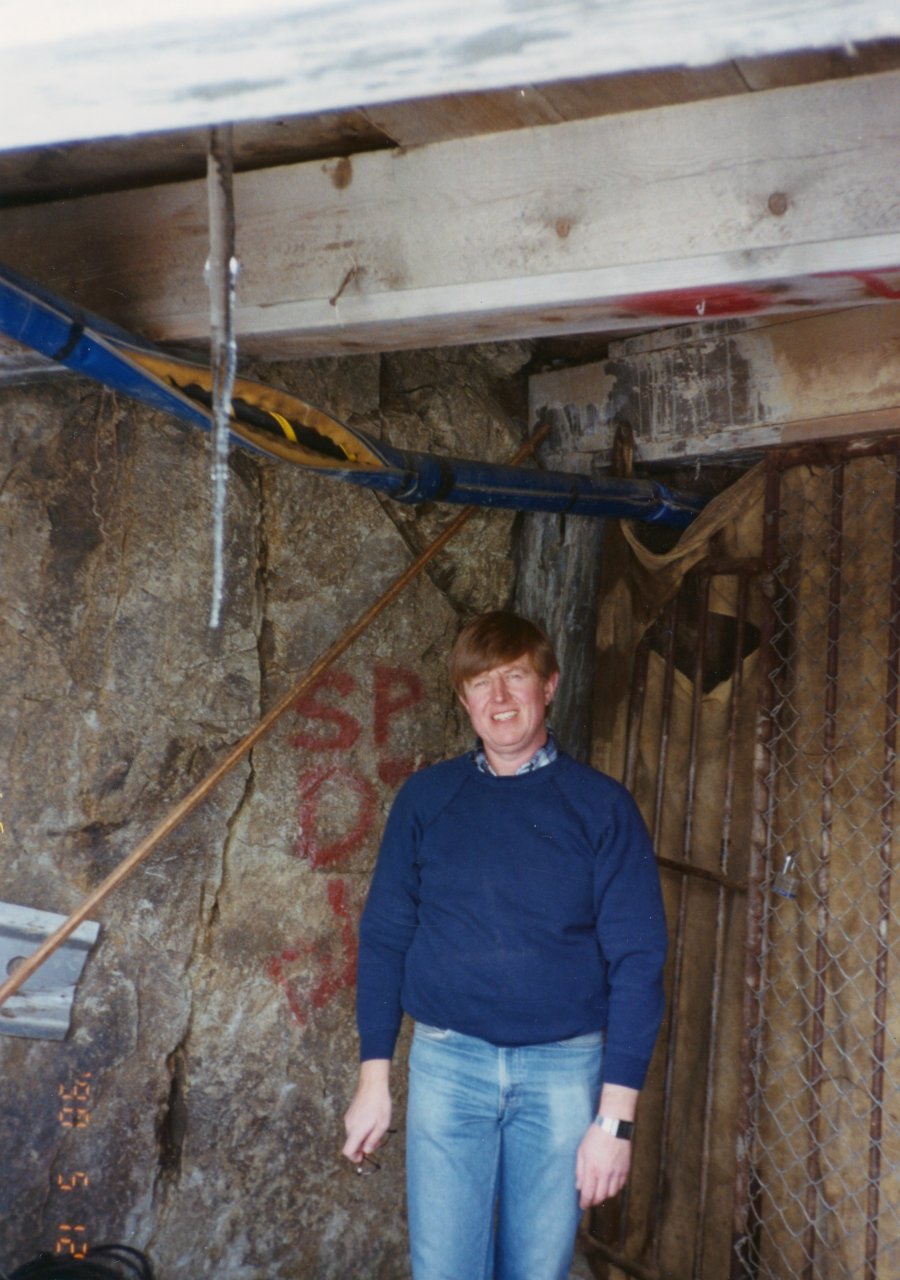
<point x="819" y="1195"/>
<point x="687" y="758"/>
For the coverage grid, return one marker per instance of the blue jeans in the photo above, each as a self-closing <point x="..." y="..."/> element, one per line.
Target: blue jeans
<point x="492" y="1136"/>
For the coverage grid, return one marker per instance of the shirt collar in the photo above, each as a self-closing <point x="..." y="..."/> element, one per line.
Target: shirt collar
<point x="543" y="756"/>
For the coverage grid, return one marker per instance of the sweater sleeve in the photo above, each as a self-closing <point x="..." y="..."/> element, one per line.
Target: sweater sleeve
<point x="631" y="930"/>
<point x="386" y="930"/>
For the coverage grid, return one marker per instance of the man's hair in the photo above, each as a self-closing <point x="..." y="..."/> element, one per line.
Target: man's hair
<point x="497" y="638"/>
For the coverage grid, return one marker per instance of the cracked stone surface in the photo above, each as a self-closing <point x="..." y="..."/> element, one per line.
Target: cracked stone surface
<point x="194" y="1109"/>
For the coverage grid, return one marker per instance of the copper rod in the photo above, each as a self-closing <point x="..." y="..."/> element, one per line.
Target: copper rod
<point x="190" y="802"/>
<point x="816" y="1063"/>
<point x="745" y="1225"/>
<point x="876" y="1117"/>
<point x="700" y="873"/>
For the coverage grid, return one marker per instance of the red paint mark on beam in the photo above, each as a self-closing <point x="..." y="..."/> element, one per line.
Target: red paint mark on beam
<point x="693" y="304"/>
<point x="875" y="284"/>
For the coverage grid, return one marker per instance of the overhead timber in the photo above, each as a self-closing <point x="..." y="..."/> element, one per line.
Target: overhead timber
<point x="752" y="204"/>
<point x="84" y="166"/>
<point x="721" y="389"/>
<point x="96" y="70"/>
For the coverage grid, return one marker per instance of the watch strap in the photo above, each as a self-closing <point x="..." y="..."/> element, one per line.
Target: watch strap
<point x="618" y="1128"/>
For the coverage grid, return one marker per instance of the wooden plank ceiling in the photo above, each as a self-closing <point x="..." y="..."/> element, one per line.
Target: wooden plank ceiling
<point x="69" y="169"/>
<point x="597" y="206"/>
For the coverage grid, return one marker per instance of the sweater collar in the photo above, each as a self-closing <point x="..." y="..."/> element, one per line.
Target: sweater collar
<point x="543" y="756"/>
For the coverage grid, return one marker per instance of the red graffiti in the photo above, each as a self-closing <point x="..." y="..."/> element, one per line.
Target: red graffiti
<point x="337" y="806"/>
<point x="693" y="304"/>
<point x="319" y="817"/>
<point x="394" y="772"/>
<point x="314" y="787"/>
<point x="875" y="284"/>
<point x="347" y="729"/>
<point x="335" y="965"/>
<point x="874" y="281"/>
<point x="396" y="689"/>
<point x="388" y="702"/>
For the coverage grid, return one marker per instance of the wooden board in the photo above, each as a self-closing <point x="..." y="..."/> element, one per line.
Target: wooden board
<point x="88" y="167"/>
<point x="715" y="390"/>
<point x="117" y="164"/>
<point x="100" y="70"/>
<point x="748" y="205"/>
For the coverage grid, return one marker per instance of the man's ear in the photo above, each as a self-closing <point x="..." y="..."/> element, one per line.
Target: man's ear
<point x="550" y="687"/>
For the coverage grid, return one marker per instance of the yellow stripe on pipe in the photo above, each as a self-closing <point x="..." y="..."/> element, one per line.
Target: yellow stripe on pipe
<point x="285" y="425"/>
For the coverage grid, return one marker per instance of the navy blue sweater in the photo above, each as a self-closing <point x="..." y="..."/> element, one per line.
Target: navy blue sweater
<point x="521" y="910"/>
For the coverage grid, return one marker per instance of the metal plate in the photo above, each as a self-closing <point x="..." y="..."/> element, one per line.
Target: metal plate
<point x="40" y="1009"/>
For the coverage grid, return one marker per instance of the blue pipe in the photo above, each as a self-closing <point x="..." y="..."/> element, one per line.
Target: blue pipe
<point x="273" y="423"/>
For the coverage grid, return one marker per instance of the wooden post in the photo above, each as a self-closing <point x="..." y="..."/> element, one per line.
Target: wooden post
<point x="557" y="562"/>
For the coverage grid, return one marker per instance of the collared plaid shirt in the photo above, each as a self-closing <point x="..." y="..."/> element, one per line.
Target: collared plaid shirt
<point x="544" y="755"/>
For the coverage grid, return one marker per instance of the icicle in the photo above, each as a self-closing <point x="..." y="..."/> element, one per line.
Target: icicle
<point x="221" y="278"/>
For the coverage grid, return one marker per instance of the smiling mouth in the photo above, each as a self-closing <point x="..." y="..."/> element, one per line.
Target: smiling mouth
<point x="504" y="715"/>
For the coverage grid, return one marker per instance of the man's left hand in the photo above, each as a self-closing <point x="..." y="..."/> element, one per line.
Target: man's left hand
<point x="601" y="1166"/>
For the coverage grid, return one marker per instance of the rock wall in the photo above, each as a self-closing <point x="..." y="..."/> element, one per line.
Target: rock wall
<point x="194" y="1109"/>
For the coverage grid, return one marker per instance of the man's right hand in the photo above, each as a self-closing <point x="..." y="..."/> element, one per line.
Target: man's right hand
<point x="368" y="1117"/>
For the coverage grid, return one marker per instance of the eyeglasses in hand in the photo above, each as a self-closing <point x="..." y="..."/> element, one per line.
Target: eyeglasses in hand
<point x="369" y="1164"/>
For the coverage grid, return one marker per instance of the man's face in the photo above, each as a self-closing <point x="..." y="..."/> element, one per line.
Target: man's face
<point x="507" y="705"/>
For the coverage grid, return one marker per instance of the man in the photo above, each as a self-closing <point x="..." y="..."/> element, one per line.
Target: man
<point x="515" y="914"/>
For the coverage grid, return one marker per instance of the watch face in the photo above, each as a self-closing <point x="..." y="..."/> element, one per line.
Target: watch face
<point x="618" y="1128"/>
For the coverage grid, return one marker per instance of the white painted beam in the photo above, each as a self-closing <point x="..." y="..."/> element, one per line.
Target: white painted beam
<point x="721" y="390"/>
<point x="94" y="69"/>
<point x="749" y="205"/>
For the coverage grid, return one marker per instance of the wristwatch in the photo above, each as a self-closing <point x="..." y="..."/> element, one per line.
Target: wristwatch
<point x="618" y="1128"/>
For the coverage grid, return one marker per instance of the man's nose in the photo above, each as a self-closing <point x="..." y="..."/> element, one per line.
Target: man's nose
<point x="498" y="689"/>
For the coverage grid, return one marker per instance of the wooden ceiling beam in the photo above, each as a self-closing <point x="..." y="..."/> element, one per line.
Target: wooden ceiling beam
<point x="746" y="205"/>
<point x="719" y="390"/>
<point x="96" y="70"/>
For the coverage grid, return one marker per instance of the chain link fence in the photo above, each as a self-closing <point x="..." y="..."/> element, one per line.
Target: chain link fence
<point x="819" y="1174"/>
